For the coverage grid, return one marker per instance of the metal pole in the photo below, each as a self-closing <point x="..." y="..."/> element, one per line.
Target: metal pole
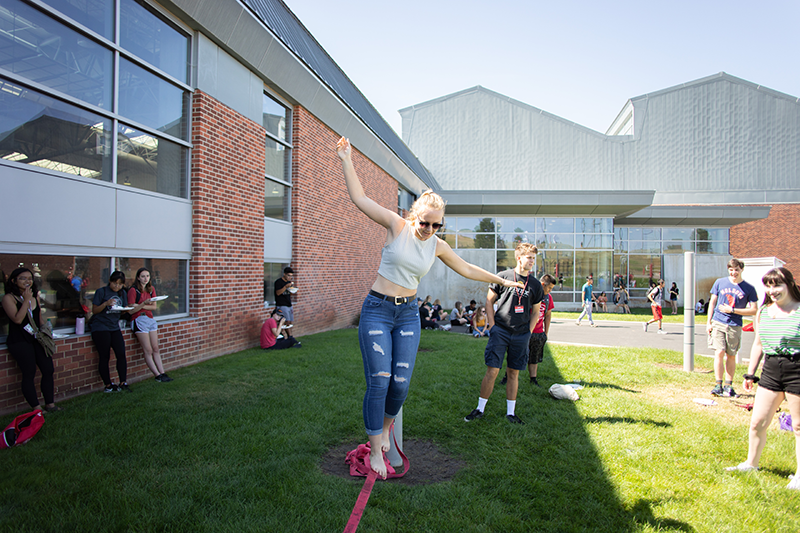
<point x="393" y="455"/>
<point x="688" y="311"/>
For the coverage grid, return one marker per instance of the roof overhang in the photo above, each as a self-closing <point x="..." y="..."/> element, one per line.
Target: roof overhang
<point x="695" y="215"/>
<point x="543" y="203"/>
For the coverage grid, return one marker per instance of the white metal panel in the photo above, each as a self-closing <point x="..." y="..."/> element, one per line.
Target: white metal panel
<point x="152" y="223"/>
<point x="277" y="241"/>
<point x="45" y="209"/>
<point x="223" y="77"/>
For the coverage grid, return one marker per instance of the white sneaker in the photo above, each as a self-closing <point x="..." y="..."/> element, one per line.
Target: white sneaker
<point x="662" y="332"/>
<point x="577" y="322"/>
<point x="644" y="326"/>
<point x="743" y="467"/>
<point x="794" y="484"/>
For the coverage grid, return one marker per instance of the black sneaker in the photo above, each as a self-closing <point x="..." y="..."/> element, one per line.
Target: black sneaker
<point x="504" y="380"/>
<point x="717" y="391"/>
<point x="728" y="392"/>
<point x="111" y="388"/>
<point x="124" y="388"/>
<point x="514" y="419"/>
<point x="535" y="381"/>
<point x="297" y="345"/>
<point x="474" y="415"/>
<point x="163" y="378"/>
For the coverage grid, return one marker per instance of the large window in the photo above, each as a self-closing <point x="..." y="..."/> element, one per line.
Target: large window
<point x="638" y="251"/>
<point x="67" y="284"/>
<point x="272" y="271"/>
<point x="569" y="249"/>
<point x="168" y="277"/>
<point x="71" y="130"/>
<point x="276" y="119"/>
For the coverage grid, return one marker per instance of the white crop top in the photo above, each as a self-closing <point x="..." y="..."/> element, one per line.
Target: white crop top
<point x="406" y="259"/>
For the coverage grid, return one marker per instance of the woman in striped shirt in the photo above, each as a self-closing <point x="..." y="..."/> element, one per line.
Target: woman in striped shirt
<point x="778" y="339"/>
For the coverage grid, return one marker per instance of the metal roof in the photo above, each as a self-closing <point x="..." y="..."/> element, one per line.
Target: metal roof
<point x="288" y="28"/>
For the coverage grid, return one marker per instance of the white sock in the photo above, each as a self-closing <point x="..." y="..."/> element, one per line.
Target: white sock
<point x="482" y="403"/>
<point x="511" y="405"/>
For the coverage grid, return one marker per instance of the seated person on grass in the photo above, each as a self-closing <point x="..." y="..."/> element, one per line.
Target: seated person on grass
<point x="271" y="330"/>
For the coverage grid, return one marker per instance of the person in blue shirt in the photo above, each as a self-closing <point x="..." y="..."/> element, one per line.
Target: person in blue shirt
<point x="586" y="298"/>
<point x="731" y="299"/>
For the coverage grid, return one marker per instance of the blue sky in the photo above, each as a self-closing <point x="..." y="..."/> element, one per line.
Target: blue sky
<point x="581" y="60"/>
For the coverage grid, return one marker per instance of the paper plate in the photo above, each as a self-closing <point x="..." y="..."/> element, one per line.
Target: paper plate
<point x="158" y="298"/>
<point x="115" y="308"/>
<point x="292" y="290"/>
<point x="576" y="386"/>
<point x="287" y="327"/>
<point x="705" y="401"/>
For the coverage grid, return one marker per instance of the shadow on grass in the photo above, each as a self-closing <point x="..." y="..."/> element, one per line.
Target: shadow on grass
<point x="545" y="475"/>
<point x="610" y="386"/>
<point x="623" y="420"/>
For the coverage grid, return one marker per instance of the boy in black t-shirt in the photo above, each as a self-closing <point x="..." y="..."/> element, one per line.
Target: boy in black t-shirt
<point x="510" y="327"/>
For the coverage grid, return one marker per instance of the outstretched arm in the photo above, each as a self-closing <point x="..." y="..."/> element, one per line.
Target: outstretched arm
<point x="468" y="270"/>
<point x="386" y="218"/>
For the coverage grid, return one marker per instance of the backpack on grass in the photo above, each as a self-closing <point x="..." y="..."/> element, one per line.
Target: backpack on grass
<point x="22" y="429"/>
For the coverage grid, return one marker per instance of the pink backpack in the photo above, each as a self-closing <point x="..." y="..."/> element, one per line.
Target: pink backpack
<point x="22" y="429"/>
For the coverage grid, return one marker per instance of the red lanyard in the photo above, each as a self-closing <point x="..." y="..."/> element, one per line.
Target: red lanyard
<point x="519" y="300"/>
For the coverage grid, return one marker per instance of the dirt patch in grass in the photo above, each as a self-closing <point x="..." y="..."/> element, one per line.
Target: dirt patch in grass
<point x="428" y="464"/>
<point x="730" y="410"/>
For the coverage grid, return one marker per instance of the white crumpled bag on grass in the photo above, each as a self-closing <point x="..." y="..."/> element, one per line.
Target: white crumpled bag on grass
<point x="563" y="392"/>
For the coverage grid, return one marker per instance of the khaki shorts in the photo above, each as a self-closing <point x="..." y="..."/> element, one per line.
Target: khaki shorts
<point x="724" y="337"/>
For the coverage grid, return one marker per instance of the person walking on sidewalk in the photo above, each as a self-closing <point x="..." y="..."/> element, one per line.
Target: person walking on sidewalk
<point x="656" y="297"/>
<point x="731" y="298"/>
<point x="586" y="298"/>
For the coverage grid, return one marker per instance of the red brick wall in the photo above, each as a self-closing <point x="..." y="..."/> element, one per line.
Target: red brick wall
<point x="336" y="247"/>
<point x="777" y="235"/>
<point x="336" y="250"/>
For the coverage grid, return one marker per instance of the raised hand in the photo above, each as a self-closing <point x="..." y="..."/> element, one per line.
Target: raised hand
<point x="343" y="149"/>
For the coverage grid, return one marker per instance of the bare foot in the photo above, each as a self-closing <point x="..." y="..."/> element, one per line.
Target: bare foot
<point x="377" y="464"/>
<point x="385" y="442"/>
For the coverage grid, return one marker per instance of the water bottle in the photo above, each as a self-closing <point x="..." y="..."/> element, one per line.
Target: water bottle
<point x="49" y="324"/>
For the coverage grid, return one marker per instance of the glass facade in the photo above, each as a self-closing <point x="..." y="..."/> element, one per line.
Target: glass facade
<point x="71" y="127"/>
<point x="570" y="249"/>
<point x="276" y="119"/>
<point x="272" y="271"/>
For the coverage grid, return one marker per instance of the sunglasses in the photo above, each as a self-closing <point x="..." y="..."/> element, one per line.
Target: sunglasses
<point x="436" y="225"/>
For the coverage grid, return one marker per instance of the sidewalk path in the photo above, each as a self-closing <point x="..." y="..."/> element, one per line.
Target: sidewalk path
<point x="614" y="333"/>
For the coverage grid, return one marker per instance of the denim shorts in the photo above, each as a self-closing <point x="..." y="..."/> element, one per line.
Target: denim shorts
<point x="144" y="324"/>
<point x="502" y="340"/>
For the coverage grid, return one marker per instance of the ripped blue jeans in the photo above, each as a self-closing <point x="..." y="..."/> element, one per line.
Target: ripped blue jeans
<point x="389" y="337"/>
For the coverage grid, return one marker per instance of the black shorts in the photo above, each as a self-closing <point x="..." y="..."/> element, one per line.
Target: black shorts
<point x="781" y="374"/>
<point x="536" y="348"/>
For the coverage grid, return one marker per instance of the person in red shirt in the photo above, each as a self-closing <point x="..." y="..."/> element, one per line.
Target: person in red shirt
<point x="144" y="326"/>
<point x="272" y="329"/>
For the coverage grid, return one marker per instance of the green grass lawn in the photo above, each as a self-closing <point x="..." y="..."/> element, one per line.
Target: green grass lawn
<point x="235" y="445"/>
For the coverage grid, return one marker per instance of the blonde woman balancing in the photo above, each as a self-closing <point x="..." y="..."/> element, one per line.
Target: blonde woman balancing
<point x="389" y="329"/>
